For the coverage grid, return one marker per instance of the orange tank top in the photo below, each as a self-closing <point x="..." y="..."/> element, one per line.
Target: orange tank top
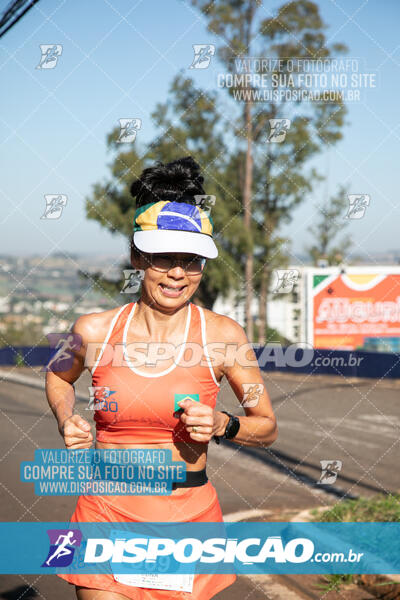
<point x="140" y="406"/>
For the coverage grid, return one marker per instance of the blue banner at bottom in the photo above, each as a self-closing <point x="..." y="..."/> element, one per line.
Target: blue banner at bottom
<point x="241" y="548"/>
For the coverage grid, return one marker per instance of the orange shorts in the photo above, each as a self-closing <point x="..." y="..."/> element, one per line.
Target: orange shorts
<point x="184" y="505"/>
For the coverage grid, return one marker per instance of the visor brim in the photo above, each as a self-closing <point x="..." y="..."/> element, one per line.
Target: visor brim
<point x="167" y="240"/>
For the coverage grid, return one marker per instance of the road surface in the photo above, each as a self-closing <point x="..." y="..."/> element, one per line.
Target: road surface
<point x="320" y="418"/>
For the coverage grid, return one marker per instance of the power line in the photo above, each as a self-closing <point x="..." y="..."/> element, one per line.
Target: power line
<point x="11" y="10"/>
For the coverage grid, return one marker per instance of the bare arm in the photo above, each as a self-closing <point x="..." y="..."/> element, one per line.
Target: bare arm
<point x="60" y="395"/>
<point x="258" y="427"/>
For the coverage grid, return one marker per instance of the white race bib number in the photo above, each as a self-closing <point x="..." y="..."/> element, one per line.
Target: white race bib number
<point x="159" y="581"/>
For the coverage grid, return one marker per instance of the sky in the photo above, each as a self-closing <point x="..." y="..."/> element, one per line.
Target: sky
<point x="118" y="60"/>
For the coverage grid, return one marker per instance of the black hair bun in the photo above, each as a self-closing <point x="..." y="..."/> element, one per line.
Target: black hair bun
<point x="176" y="181"/>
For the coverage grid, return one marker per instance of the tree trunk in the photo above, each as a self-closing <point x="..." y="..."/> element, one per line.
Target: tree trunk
<point x="262" y="319"/>
<point x="248" y="181"/>
<point x="269" y="227"/>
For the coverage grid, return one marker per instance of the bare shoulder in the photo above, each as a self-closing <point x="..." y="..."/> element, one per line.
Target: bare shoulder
<point x="93" y="327"/>
<point x="221" y="328"/>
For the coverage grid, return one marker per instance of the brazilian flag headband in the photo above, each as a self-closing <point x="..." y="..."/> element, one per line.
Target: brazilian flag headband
<point x="170" y="226"/>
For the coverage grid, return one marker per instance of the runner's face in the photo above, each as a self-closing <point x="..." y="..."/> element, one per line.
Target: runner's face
<point x="172" y="287"/>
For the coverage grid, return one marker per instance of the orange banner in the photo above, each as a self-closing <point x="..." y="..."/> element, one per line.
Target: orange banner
<point x="349" y="310"/>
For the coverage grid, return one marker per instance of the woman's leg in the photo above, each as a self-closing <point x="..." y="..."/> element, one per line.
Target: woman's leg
<point x="83" y="593"/>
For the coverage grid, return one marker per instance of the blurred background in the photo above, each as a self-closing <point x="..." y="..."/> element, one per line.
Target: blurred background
<point x="291" y="110"/>
<point x="96" y="92"/>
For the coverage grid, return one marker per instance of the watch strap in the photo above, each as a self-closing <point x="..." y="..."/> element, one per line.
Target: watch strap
<point x="231" y="430"/>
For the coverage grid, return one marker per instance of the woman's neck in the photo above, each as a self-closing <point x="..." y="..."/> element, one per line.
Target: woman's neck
<point x="157" y="323"/>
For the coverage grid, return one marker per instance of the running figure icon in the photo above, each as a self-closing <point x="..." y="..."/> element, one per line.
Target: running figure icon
<point x="65" y="346"/>
<point x="62" y="549"/>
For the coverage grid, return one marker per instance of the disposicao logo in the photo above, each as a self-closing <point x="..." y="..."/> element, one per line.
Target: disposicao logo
<point x="63" y="543"/>
<point x="190" y="550"/>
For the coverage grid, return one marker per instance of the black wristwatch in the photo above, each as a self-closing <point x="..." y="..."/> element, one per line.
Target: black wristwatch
<point x="231" y="429"/>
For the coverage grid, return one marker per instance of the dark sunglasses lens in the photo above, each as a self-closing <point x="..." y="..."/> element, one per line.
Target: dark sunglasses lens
<point x="162" y="262"/>
<point x="192" y="265"/>
<point x="195" y="265"/>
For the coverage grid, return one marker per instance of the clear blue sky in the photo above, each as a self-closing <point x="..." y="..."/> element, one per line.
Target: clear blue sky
<point x="118" y="60"/>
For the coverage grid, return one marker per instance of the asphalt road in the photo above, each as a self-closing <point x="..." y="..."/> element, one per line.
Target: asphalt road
<point x="320" y="418"/>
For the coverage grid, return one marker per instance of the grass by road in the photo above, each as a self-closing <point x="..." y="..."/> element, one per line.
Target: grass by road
<point x="379" y="508"/>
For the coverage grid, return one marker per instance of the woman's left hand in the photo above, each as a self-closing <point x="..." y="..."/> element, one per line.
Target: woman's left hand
<point x="201" y="421"/>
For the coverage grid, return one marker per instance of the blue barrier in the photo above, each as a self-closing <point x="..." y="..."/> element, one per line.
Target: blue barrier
<point x="32" y="356"/>
<point x="313" y="361"/>
<point x="323" y="361"/>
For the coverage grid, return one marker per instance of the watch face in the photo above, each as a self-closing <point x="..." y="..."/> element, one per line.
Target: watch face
<point x="232" y="428"/>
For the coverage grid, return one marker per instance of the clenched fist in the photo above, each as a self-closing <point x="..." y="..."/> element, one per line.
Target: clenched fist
<point x="76" y="433"/>
<point x="201" y="421"/>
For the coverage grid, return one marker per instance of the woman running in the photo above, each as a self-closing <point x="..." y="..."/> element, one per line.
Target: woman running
<point x="166" y="405"/>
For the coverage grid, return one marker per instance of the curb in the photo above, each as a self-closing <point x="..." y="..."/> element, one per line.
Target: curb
<point x="31" y="382"/>
<point x="242" y="515"/>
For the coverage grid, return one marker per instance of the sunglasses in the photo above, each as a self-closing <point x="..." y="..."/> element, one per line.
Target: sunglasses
<point x="192" y="265"/>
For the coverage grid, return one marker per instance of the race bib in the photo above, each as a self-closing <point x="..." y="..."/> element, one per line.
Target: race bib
<point x="160" y="581"/>
<point x="182" y="582"/>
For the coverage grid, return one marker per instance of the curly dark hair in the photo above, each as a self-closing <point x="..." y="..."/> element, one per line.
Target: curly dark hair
<point x="177" y="181"/>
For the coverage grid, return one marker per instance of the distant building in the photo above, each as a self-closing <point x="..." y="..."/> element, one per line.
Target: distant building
<point x="342" y="307"/>
<point x="284" y="310"/>
<point x="4" y="305"/>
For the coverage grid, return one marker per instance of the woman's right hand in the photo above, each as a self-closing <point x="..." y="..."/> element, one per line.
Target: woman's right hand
<point x="76" y="433"/>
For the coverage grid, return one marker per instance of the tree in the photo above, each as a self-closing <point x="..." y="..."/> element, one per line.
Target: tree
<point x="331" y="222"/>
<point x="180" y="132"/>
<point x="257" y="183"/>
<point x="295" y="31"/>
<point x="232" y="21"/>
<point x="18" y="334"/>
<point x="190" y="123"/>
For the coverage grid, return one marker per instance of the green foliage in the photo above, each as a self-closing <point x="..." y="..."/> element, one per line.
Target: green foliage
<point x="331" y="222"/>
<point x="22" y="335"/>
<point x="198" y="132"/>
<point x="19" y="360"/>
<point x="221" y="134"/>
<point x="110" y="202"/>
<point x="280" y="178"/>
<point x="380" y="507"/>
<point x="335" y="582"/>
<point x="193" y="132"/>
